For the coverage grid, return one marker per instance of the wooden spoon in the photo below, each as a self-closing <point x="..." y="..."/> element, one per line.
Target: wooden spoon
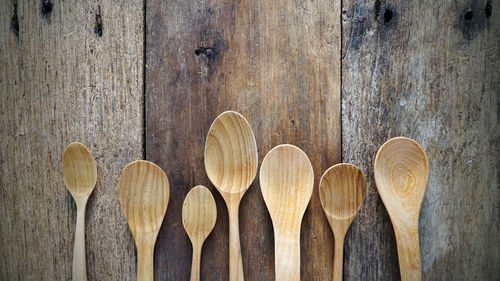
<point x="286" y="180"/>
<point x="144" y="192"/>
<point x="342" y="189"/>
<point x="231" y="165"/>
<point x="401" y="172"/>
<point x="199" y="214"/>
<point x="79" y="171"/>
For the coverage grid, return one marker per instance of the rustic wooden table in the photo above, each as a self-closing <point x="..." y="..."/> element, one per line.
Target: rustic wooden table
<point x="144" y="80"/>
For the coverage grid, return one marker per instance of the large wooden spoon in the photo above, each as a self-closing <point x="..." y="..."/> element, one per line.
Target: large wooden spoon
<point x="199" y="214"/>
<point x="144" y="192"/>
<point x="287" y="181"/>
<point x="79" y="171"/>
<point x="401" y="172"/>
<point x="231" y="165"/>
<point x="342" y="189"/>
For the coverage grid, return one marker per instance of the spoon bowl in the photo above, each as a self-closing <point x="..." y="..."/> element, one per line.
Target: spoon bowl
<point x="231" y="164"/>
<point x="342" y="189"/>
<point x="287" y="181"/>
<point x="199" y="214"/>
<point x="144" y="193"/>
<point x="79" y="171"/>
<point x="401" y="170"/>
<point x="231" y="154"/>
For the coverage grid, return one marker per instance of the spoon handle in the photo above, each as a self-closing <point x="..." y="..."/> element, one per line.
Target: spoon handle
<point x="287" y="256"/>
<point x="409" y="254"/>
<point x="145" y="261"/>
<point x="79" y="263"/>
<point x="195" y="265"/>
<point x="235" y="261"/>
<point x="338" y="257"/>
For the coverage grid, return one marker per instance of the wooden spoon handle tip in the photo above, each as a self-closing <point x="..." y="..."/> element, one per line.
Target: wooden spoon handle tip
<point x="79" y="262"/>
<point x="409" y="255"/>
<point x="338" y="258"/>
<point x="235" y="261"/>
<point x="145" y="263"/>
<point x="195" y="265"/>
<point x="287" y="257"/>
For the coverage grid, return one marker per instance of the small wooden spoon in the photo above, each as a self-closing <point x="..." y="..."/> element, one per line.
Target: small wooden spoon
<point x="401" y="172"/>
<point x="199" y="214"/>
<point x="231" y="165"/>
<point x="286" y="180"/>
<point x="144" y="192"/>
<point x="79" y="171"/>
<point x="342" y="189"/>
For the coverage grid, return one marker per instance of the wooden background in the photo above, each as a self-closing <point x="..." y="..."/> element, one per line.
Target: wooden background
<point x="144" y="80"/>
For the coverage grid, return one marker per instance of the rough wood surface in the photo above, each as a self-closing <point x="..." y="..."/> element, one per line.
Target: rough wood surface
<point x="69" y="71"/>
<point x="72" y="71"/>
<point x="275" y="62"/>
<point x="427" y="70"/>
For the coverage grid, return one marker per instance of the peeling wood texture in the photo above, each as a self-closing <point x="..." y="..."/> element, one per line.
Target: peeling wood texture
<point x="277" y="63"/>
<point x="428" y="70"/>
<point x="59" y="83"/>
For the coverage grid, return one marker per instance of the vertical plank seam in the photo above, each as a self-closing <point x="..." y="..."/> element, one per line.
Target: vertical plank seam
<point x="144" y="60"/>
<point x="341" y="88"/>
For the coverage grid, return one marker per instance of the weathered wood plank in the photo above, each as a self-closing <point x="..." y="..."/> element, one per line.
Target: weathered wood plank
<point x="427" y="70"/>
<point x="277" y="63"/>
<point x="69" y="71"/>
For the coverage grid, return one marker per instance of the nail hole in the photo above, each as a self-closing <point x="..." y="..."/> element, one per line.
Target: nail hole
<point x="47" y="7"/>
<point x="468" y="16"/>
<point x="488" y="9"/>
<point x="388" y="15"/>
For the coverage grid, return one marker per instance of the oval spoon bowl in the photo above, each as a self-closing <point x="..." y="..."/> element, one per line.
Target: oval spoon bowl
<point x="79" y="171"/>
<point x="286" y="181"/>
<point x="144" y="192"/>
<point x="231" y="164"/>
<point x="199" y="213"/>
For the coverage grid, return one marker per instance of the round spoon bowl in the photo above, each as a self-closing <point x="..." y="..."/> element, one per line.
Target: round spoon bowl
<point x="342" y="189"/>
<point x="144" y="193"/>
<point x="401" y="170"/>
<point x="199" y="213"/>
<point x="287" y="181"/>
<point x="79" y="170"/>
<point x="231" y="153"/>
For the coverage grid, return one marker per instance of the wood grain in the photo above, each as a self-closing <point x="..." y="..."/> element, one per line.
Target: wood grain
<point x="144" y="192"/>
<point x="427" y="70"/>
<point x="342" y="189"/>
<point x="199" y="214"/>
<point x="79" y="172"/>
<point x="231" y="165"/>
<point x="286" y="182"/>
<point x="401" y="170"/>
<point x="276" y="63"/>
<point x="69" y="71"/>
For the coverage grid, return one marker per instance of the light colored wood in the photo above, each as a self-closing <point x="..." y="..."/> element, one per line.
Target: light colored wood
<point x="199" y="214"/>
<point x="144" y="193"/>
<point x="61" y="82"/>
<point x="231" y="165"/>
<point x="342" y="189"/>
<point x="287" y="181"/>
<point x="79" y="171"/>
<point x="401" y="170"/>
